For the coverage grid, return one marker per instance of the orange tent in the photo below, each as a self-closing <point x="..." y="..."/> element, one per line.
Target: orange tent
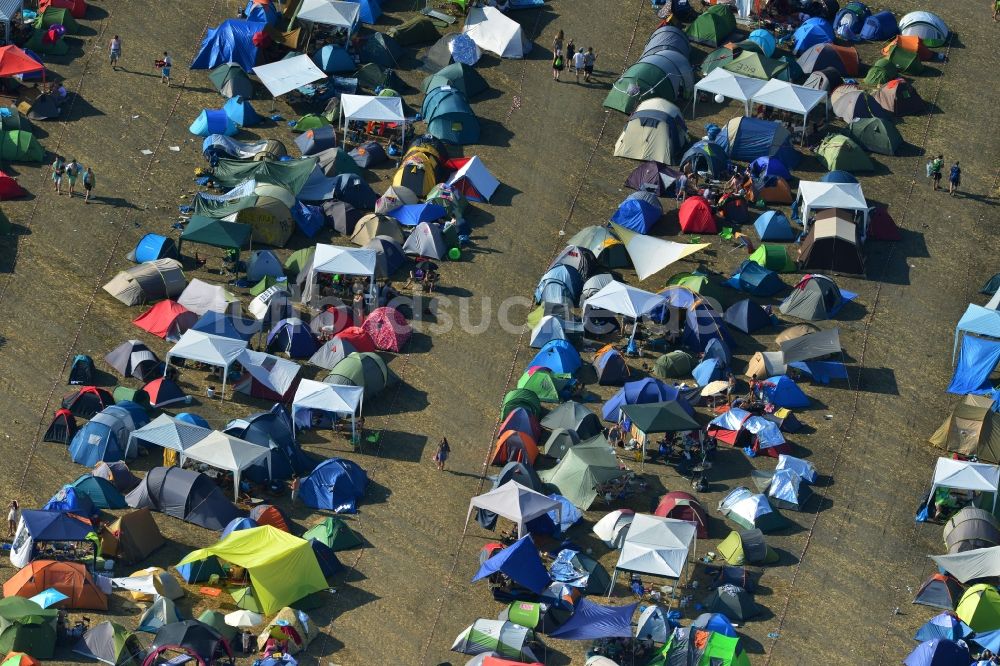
<point x="70" y="578"/>
<point x="774" y="189"/>
<point x="19" y="659"/>
<point x="268" y="514"/>
<point x="516" y="446"/>
<point x="14" y="61"/>
<point x="910" y="43"/>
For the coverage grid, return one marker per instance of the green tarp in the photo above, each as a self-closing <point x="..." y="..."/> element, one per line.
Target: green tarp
<point x="217" y="209"/>
<point x="660" y="417"/>
<point x="207" y="231"/>
<point x="292" y="175"/>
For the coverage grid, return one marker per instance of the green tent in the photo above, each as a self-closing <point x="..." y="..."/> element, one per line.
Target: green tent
<point x="720" y="57"/>
<point x="543" y="384"/>
<point x="20" y="146"/>
<point x="677" y="363"/>
<point x="838" y="152"/>
<point x="36" y="42"/>
<point x="712" y="27"/>
<point x="979" y="607"/>
<point x="583" y="469"/>
<point x="640" y="82"/>
<point x="27" y="627"/>
<point x="217" y="233"/>
<point x="905" y="61"/>
<point x="656" y="417"/>
<point x="335" y="161"/>
<point x="417" y="30"/>
<point x="265" y="283"/>
<point x="755" y="65"/>
<point x="269" y="556"/>
<point x="230" y="80"/>
<point x="520" y="398"/>
<point x="701" y="285"/>
<point x="246" y="598"/>
<point x="220" y="208"/>
<point x="881" y="72"/>
<point x="364" y="369"/>
<point x="291" y="175"/>
<point x="876" y="135"/>
<point x="217" y="621"/>
<point x="298" y="260"/>
<point x="111" y="643"/>
<point x="334" y="534"/>
<point x="700" y="647"/>
<point x="524" y="613"/>
<point x="774" y="257"/>
<point x="57" y="16"/>
<point x="460" y="76"/>
<point x="310" y="121"/>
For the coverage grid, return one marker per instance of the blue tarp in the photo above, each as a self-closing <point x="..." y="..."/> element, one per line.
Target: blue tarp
<point x="979" y="321"/>
<point x="213" y="121"/>
<point x="754" y="279"/>
<point x="241" y="113"/>
<point x="559" y="356"/>
<point x="232" y="41"/>
<point x="977" y="360"/>
<point x="781" y="391"/>
<point x="309" y="219"/>
<point x="769" y="166"/>
<point x="640" y="392"/>
<point x="335" y="485"/>
<point x="521" y="563"/>
<point x="774" y="226"/>
<point x="261" y="12"/>
<point x="814" y="31"/>
<point x="637" y="215"/>
<point x="591" y="621"/>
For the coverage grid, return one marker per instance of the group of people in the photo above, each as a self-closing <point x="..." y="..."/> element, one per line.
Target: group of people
<point x="71" y="172"/>
<point x="934" y="170"/>
<point x="576" y="59"/>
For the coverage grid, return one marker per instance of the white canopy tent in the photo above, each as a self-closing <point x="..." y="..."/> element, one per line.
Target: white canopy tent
<point x="790" y="97"/>
<point x="209" y="349"/>
<point x="656" y="546"/>
<point x="965" y="475"/>
<point x="166" y="432"/>
<point x="339" y="14"/>
<point x="492" y="31"/>
<point x="723" y="82"/>
<point x="286" y="75"/>
<point x="228" y="453"/>
<point x="325" y="397"/>
<point x="337" y="260"/>
<point x="815" y="195"/>
<point x="624" y="300"/>
<point x="364" y="108"/>
<point x="516" y="503"/>
<point x="649" y="254"/>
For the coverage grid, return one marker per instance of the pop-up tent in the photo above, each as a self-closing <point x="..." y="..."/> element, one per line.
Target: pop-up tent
<point x="365" y="108"/>
<point x="965" y="475"/>
<point x="733" y="86"/>
<point x="520" y="562"/>
<point x="333" y="398"/>
<point x="183" y="494"/>
<point x="492" y="31"/>
<point x="925" y="25"/>
<point x="656" y="546"/>
<point x="214" y="350"/>
<point x="27" y="628"/>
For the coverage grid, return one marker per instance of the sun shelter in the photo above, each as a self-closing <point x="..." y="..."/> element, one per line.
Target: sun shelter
<point x="183" y="494"/>
<point x="592" y="621"/>
<point x="723" y="82"/>
<point x="45" y="527"/>
<point x="366" y="108"/>
<point x="27" y="627"/>
<point x="336" y="260"/>
<point x="345" y="15"/>
<point x="516" y="503"/>
<point x="286" y="75"/>
<point x="520" y="562"/>
<point x="214" y="350"/>
<point x="492" y="31"/>
<point x="656" y="546"/>
<point x="968" y="476"/>
<point x="227" y="453"/>
<point x="790" y="97"/>
<point x="166" y="432"/>
<point x="624" y="300"/>
<point x="817" y="195"/>
<point x="333" y="398"/>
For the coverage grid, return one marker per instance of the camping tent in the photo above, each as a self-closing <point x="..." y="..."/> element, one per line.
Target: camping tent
<point x="832" y="245"/>
<point x="653" y="177"/>
<point x="336" y="485"/>
<point x="147" y="282"/>
<point x="105" y="436"/>
<point x="971" y="528"/>
<point x="851" y="102"/>
<point x="840" y="153"/>
<point x="813" y="31"/>
<point x="45" y="527"/>
<point x="878" y="135"/>
<point x="459" y="76"/>
<point x="492" y="31"/>
<point x="70" y="578"/>
<point x="183" y="494"/>
<point x="132" y="537"/>
<point x="815" y="297"/>
<point x="665" y="74"/>
<point x="582" y="471"/>
<point x="706" y="157"/>
<point x="844" y="59"/>
<point x="231" y="81"/>
<point x="498" y="637"/>
<point x="520" y="562"/>
<point x="817" y="195"/>
<point x="333" y="398"/>
<point x="655" y="131"/>
<point x="449" y="116"/>
<point x="972" y="429"/>
<point x="26" y="627"/>
<point x="713" y="26"/>
<point x="925" y="25"/>
<point x="232" y="41"/>
<point x="746" y="139"/>
<point x="899" y="98"/>
<point x="110" y="643"/>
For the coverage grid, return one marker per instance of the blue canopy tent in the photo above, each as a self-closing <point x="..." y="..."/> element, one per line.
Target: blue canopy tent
<point x="45" y="527"/>
<point x="231" y="41"/>
<point x="781" y="391"/>
<point x="977" y="320"/>
<point x="703" y="324"/>
<point x="227" y="325"/>
<point x="333" y="59"/>
<point x="410" y="215"/>
<point x="370" y="10"/>
<point x="592" y="621"/>
<point x="747" y="316"/>
<point x="976" y="362"/>
<point x="816" y="30"/>
<point x="774" y="226"/>
<point x="335" y="485"/>
<point x="241" y="113"/>
<point x="754" y="279"/>
<point x="521" y="563"/>
<point x="880" y="27"/>
<point x="152" y="247"/>
<point x="213" y="121"/>
<point x="639" y="212"/>
<point x="641" y="392"/>
<point x="559" y="356"/>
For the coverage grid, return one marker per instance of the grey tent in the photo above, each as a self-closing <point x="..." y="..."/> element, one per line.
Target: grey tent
<point x="149" y="281"/>
<point x="559" y="442"/>
<point x="217" y="621"/>
<point x="133" y="358"/>
<point x="826" y="79"/>
<point x="372" y="225"/>
<point x="595" y="284"/>
<point x="810" y="346"/>
<point x="231" y="81"/>
<point x="426" y="240"/>
<point x="796" y="331"/>
<point x="814" y="298"/>
<point x="112" y="644"/>
<point x="732" y="601"/>
<point x="334" y="161"/>
<point x="971" y="528"/>
<point x="610" y="367"/>
<point x="460" y="76"/>
<point x="668" y="38"/>
<point x="579" y="258"/>
<point x="161" y="612"/>
<point x="832" y="245"/>
<point x="676" y="69"/>
<point x="940" y="591"/>
<point x="366" y="369"/>
<point x="184" y="494"/>
<point x="654" y="132"/>
<point x="571" y="415"/>
<point x="331" y="353"/>
<point x="389" y="255"/>
<point x="342" y="216"/>
<point x="971" y="429"/>
<point x="317" y="140"/>
<point x="519" y="472"/>
<point x="369" y="154"/>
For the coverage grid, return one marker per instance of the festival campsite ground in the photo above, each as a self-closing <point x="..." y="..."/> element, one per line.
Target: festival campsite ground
<point x="842" y="591"/>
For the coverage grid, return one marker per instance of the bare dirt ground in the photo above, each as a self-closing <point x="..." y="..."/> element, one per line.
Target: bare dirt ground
<point x="841" y="592"/>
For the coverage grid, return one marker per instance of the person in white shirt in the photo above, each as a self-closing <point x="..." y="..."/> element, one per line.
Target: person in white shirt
<point x="579" y="59"/>
<point x="13" y="518"/>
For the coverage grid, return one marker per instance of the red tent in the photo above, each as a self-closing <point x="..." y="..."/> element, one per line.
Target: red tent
<point x="14" y="61"/>
<point x="78" y="8"/>
<point x="358" y="337"/>
<point x="87" y="401"/>
<point x="683" y="506"/>
<point x="162" y="392"/>
<point x="166" y="319"/>
<point x="882" y="227"/>
<point x="696" y="217"/>
<point x="9" y="188"/>
<point x="268" y="514"/>
<point x="388" y="329"/>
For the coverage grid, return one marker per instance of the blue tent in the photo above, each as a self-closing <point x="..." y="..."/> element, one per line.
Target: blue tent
<point x="976" y="362"/>
<point x="520" y="562"/>
<point x="293" y="337"/>
<point x="559" y="356"/>
<point x="747" y="316"/>
<point x="880" y="27"/>
<point x="317" y="140"/>
<point x="769" y="166"/>
<point x="706" y="156"/>
<point x="231" y="41"/>
<point x="410" y="215"/>
<point x="838" y="176"/>
<point x="102" y="493"/>
<point x="943" y="625"/>
<point x="228" y="326"/>
<point x="592" y="621"/>
<point x="703" y="324"/>
<point x="707" y="371"/>
<point x="847" y="23"/>
<point x="938" y="652"/>
<point x="336" y="485"/>
<point x="154" y="246"/>
<point x="193" y="419"/>
<point x="274" y="430"/>
<point x="261" y="12"/>
<point x="309" y="219"/>
<point x="781" y="391"/>
<point x="68" y="500"/>
<point x="352" y="188"/>
<point x="639" y="212"/>
<point x="976" y="320"/>
<point x="370" y="10"/>
<point x="755" y="280"/>
<point x="988" y="640"/>
<point x="54" y="526"/>
<point x="774" y="226"/>
<point x="329" y="564"/>
<point x="558" y="284"/>
<point x="202" y="570"/>
<point x="718" y="349"/>
<point x="715" y="622"/>
<point x="449" y="116"/>
<point x="821" y="371"/>
<point x="813" y="31"/>
<point x="765" y="40"/>
<point x="333" y="59"/>
<point x="237" y="524"/>
<point x="213" y="121"/>
<point x="641" y="392"/>
<point x="105" y="437"/>
<point x="241" y="113"/>
<point x="755" y="138"/>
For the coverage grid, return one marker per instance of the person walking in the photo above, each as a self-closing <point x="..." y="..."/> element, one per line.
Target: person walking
<point x="954" y="178"/>
<point x="557" y="65"/>
<point x="937" y="164"/>
<point x="579" y="59"/>
<point x="557" y="43"/>
<point x="89" y="181"/>
<point x="570" y="52"/>
<point x="588" y="64"/>
<point x="168" y="62"/>
<point x="72" y="173"/>
<point x="58" y="169"/>
<point x="13" y="518"/>
<point x="441" y="456"/>
<point x="116" y="51"/>
<point x="680" y="187"/>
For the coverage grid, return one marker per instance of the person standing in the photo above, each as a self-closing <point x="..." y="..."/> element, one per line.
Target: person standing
<point x="72" y="173"/>
<point x="937" y="164"/>
<point x="116" y="51"/>
<point x="588" y="64"/>
<point x="441" y="456"/>
<point x="579" y="59"/>
<point x="13" y="518"/>
<point x="168" y="62"/>
<point x="557" y="43"/>
<point x="58" y="169"/>
<point x="680" y="187"/>
<point x="89" y="182"/>
<point x="570" y="52"/>
<point x="294" y="486"/>
<point x="557" y="65"/>
<point x="954" y="178"/>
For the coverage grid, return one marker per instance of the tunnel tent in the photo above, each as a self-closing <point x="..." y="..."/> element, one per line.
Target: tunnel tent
<point x="216" y="233"/>
<point x="654" y="132"/>
<point x="723" y="82"/>
<point x="969" y="529"/>
<point x="494" y="32"/>
<point x="105" y="437"/>
<point x="213" y="121"/>
<point x="668" y="38"/>
<point x="676" y="69"/>
<point x="457" y="75"/>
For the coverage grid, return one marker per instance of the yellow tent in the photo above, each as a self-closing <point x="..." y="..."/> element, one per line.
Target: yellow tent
<point x="269" y="555"/>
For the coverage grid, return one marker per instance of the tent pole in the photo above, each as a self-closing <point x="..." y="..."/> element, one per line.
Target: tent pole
<point x="611" y="585"/>
<point x="225" y="376"/>
<point x="805" y="121"/>
<point x="236" y="485"/>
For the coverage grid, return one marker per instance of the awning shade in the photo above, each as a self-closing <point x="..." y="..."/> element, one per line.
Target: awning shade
<point x="207" y="348"/>
<point x="286" y="75"/>
<point x="328" y="397"/>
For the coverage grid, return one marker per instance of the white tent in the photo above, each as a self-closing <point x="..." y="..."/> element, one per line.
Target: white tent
<point x="723" y="82"/>
<point x="814" y="195"/>
<point x="286" y="75"/>
<point x="209" y="349"/>
<point x="337" y="260"/>
<point x="656" y="546"/>
<point x="330" y="12"/>
<point x="269" y="300"/>
<point x="274" y="373"/>
<point x="200" y="297"/>
<point x="514" y="502"/>
<point x="649" y="254"/>
<point x="790" y="97"/>
<point x="811" y="345"/>
<point x="478" y="176"/>
<point x="549" y="328"/>
<point x="965" y="475"/>
<point x="624" y="300"/>
<point x="492" y="31"/>
<point x="614" y="526"/>
<point x="167" y="432"/>
<point x="228" y="453"/>
<point x="364" y="108"/>
<point x="325" y="397"/>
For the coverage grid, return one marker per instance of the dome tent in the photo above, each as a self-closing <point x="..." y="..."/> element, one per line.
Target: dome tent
<point x="840" y="153"/>
<point x="774" y="226"/>
<point x="666" y="74"/>
<point x="655" y="131"/>
<point x="706" y="156"/>
<point x="639" y="212"/>
<point x="849" y="102"/>
<point x="696" y="216"/>
<point x="449" y="116"/>
<point x="879" y="27"/>
<point x="842" y="58"/>
<point x="899" y="98"/>
<point x="364" y="369"/>
<point x="335" y="485"/>
<point x="814" y="298"/>
<point x="746" y="139"/>
<point x="877" y="135"/>
<point x="459" y="76"/>
<point x="213" y="121"/>
<point x="241" y="113"/>
<point x="668" y="38"/>
<point x="814" y="31"/>
<point x="713" y="26"/>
